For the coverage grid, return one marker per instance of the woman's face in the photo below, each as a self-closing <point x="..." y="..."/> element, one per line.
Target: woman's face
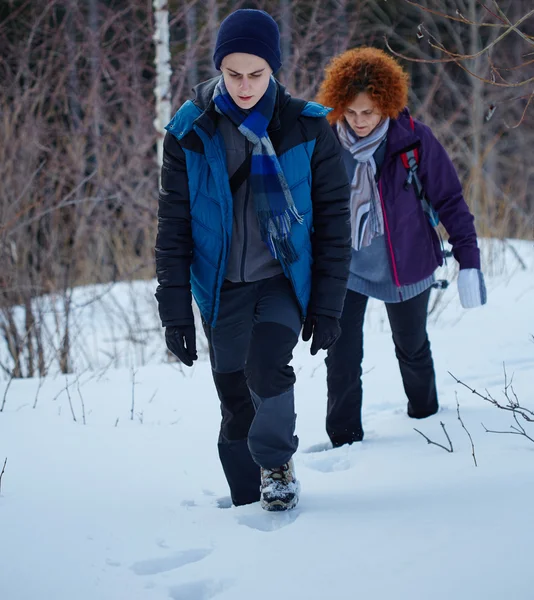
<point x="246" y="77"/>
<point x="362" y="115"/>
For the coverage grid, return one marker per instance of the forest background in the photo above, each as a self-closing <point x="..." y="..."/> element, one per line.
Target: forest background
<point x="79" y="128"/>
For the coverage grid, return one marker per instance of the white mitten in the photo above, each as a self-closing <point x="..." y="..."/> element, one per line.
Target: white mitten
<point x="471" y="288"/>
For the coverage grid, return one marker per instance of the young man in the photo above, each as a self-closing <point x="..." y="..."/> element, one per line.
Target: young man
<point x="254" y="221"/>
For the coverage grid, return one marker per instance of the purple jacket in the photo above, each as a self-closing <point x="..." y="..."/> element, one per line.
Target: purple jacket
<point x="414" y="246"/>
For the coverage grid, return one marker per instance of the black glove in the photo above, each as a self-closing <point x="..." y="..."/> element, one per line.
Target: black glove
<point x="181" y="341"/>
<point x="325" y="331"/>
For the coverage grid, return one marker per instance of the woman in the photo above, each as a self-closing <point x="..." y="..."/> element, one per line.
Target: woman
<point x="395" y="248"/>
<point x="248" y="174"/>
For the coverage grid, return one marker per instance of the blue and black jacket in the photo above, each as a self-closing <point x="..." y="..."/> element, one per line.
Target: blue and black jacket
<point x="196" y="211"/>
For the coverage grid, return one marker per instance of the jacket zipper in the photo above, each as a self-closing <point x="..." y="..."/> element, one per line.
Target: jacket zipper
<point x="224" y="251"/>
<point x="245" y="207"/>
<point x="390" y="245"/>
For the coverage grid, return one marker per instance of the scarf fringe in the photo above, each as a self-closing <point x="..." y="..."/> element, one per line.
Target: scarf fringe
<point x="282" y="249"/>
<point x="276" y="229"/>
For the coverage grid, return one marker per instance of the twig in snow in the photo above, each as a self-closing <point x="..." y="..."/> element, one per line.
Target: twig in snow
<point x="133" y="395"/>
<point x="513" y="405"/>
<point x="6" y="390"/>
<point x="41" y="379"/>
<point x="2" y="473"/>
<point x="105" y="369"/>
<point x="519" y="430"/>
<point x="83" y="405"/>
<point x="465" y="428"/>
<point x="75" y="381"/>
<point x="450" y="449"/>
<point x="70" y="399"/>
<point x="15" y="369"/>
<point x="516" y="254"/>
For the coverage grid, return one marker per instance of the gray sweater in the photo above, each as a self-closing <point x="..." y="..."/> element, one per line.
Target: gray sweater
<point x="249" y="258"/>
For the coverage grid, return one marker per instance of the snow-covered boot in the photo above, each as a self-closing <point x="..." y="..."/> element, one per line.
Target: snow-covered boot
<point x="279" y="488"/>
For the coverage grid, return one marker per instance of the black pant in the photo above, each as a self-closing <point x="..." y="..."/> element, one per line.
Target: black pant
<point x="344" y="365"/>
<point x="251" y="347"/>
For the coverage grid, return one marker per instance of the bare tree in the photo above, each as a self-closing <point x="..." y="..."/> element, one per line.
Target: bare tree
<point x="479" y="57"/>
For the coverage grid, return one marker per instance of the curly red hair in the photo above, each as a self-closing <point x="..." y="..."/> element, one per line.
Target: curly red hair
<point x="367" y="70"/>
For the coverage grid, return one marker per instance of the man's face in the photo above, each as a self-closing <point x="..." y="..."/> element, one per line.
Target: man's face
<point x="362" y="115"/>
<point x="246" y="77"/>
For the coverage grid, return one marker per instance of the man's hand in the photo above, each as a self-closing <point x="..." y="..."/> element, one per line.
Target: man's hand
<point x="181" y="341"/>
<point x="325" y="331"/>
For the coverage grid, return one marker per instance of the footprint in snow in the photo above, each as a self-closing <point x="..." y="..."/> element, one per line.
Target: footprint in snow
<point x="200" y="590"/>
<point x="321" y="459"/>
<point x="330" y="464"/>
<point x="168" y="563"/>
<point x="224" y="502"/>
<point x="321" y="447"/>
<point x="188" y="503"/>
<point x="112" y="563"/>
<point x="269" y="521"/>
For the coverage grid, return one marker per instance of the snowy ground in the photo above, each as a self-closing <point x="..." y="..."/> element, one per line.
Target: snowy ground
<point x="112" y="485"/>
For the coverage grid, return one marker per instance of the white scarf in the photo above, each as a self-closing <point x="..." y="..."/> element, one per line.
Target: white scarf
<point x="367" y="219"/>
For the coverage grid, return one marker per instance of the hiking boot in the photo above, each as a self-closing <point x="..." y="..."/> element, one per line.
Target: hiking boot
<point x="279" y="488"/>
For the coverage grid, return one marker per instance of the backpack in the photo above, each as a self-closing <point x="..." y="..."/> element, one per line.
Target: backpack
<point x="410" y="160"/>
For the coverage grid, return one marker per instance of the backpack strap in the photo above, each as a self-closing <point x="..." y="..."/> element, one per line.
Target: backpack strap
<point x="410" y="160"/>
<point x="413" y="178"/>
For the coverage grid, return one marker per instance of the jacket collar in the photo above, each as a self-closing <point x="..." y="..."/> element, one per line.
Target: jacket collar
<point x="401" y="137"/>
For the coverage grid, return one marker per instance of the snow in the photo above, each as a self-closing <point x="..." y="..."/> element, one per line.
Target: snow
<point x="128" y="504"/>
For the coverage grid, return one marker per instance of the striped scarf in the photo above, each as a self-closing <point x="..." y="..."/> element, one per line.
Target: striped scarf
<point x="272" y="198"/>
<point x="367" y="220"/>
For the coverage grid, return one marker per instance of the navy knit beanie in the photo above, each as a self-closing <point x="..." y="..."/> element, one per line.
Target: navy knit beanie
<point x="252" y="32"/>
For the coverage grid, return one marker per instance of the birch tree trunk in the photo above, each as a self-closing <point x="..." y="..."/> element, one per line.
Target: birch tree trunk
<point x="286" y="41"/>
<point x="213" y="20"/>
<point x="162" y="90"/>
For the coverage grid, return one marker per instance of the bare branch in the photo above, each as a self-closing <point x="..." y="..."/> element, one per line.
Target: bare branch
<point x="466" y="430"/>
<point x="70" y="399"/>
<point x="459" y="18"/>
<point x="429" y="441"/>
<point x="513" y="405"/>
<point x="515" y="431"/>
<point x="83" y="404"/>
<point x="524" y="113"/>
<point x="133" y="395"/>
<point x="529" y="39"/>
<point x="2" y="474"/>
